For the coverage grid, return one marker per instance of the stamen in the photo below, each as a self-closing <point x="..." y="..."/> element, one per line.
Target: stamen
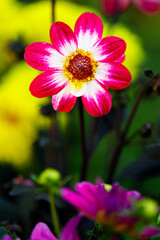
<point x="80" y="68"/>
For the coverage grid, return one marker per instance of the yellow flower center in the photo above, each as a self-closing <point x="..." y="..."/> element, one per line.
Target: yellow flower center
<point x="80" y="68"/>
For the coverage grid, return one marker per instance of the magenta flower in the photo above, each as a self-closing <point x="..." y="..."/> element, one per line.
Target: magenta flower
<point x="42" y="232"/>
<point x="78" y="64"/>
<point x="7" y="237"/>
<point x="112" y="7"/>
<point x="109" y="208"/>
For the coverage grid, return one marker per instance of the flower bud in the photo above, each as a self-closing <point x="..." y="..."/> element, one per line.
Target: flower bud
<point x="156" y="86"/>
<point x="147" y="208"/>
<point x="149" y="73"/>
<point x="18" y="48"/>
<point x="146" y="130"/>
<point x="49" y="177"/>
<point x="47" y="110"/>
<point x="113" y="7"/>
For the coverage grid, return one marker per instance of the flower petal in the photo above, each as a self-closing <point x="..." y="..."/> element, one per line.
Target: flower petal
<point x="88" y="29"/>
<point x="6" y="237"/>
<point x="77" y="92"/>
<point x="43" y="56"/>
<point x="79" y="202"/>
<point x="108" y="49"/>
<point x="42" y="232"/>
<point x="147" y="5"/>
<point x="96" y="99"/>
<point x="113" y="75"/>
<point x="87" y="190"/>
<point x="63" y="38"/>
<point x="63" y="101"/>
<point x="69" y="231"/>
<point x="121" y="59"/>
<point x="133" y="195"/>
<point x="48" y="83"/>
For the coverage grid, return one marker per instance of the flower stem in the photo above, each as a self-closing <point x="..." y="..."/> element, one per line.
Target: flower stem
<point x="122" y="142"/>
<point x="84" y="163"/>
<point x="130" y="119"/>
<point x="53" y="12"/>
<point x="92" y="137"/>
<point x="54" y="214"/>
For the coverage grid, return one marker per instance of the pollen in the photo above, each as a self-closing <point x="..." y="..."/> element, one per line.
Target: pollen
<point x="80" y="68"/>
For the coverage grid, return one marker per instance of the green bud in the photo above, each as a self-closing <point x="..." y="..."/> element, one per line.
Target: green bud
<point x="156" y="85"/>
<point x="146" y="130"/>
<point x="49" y="177"/>
<point x="147" y="208"/>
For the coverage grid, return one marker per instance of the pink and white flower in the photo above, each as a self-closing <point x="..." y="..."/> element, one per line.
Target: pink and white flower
<point x="113" y="7"/>
<point x="79" y="64"/>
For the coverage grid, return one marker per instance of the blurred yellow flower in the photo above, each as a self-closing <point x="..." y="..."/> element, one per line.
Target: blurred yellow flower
<point x="20" y="117"/>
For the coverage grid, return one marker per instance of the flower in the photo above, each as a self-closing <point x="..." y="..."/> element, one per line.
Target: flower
<point x="28" y="20"/>
<point x="7" y="237"/>
<point x="149" y="6"/>
<point x="107" y="207"/>
<point x="41" y="231"/>
<point x="112" y="7"/>
<point x="79" y="64"/>
<point x="20" y="118"/>
<point x="114" y="207"/>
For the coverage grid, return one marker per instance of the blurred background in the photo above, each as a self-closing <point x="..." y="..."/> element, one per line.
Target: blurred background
<point x="33" y="136"/>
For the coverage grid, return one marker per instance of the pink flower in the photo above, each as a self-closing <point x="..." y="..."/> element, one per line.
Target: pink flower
<point x="113" y="7"/>
<point x="78" y="64"/>
<point x="149" y="6"/>
<point x="42" y="232"/>
<point x="7" y="237"/>
<point x="109" y="208"/>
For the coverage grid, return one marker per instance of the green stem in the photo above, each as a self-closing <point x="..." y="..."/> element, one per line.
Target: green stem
<point x="54" y="214"/>
<point x="84" y="163"/>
